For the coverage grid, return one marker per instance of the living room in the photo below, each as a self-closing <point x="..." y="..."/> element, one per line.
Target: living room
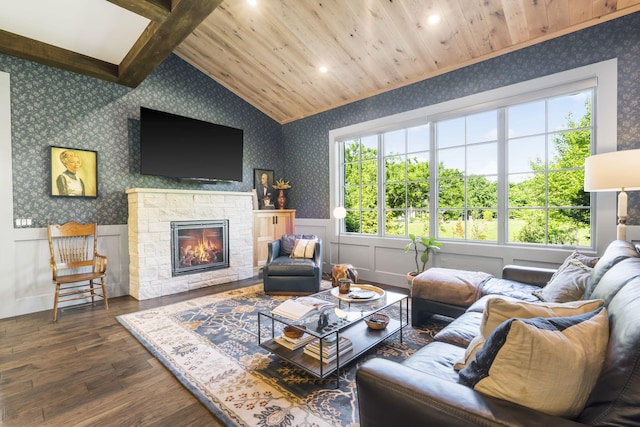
<point x="51" y="107"/>
<point x="44" y="106"/>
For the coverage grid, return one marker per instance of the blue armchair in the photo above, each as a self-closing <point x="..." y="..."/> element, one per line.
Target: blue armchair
<point x="284" y="275"/>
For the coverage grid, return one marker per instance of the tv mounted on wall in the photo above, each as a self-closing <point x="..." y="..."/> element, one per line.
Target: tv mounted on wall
<point x="181" y="147"/>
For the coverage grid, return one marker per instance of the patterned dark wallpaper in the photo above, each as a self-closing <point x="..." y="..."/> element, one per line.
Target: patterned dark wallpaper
<point x="55" y="107"/>
<point x="306" y="140"/>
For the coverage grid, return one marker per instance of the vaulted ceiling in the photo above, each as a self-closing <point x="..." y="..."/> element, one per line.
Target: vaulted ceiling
<point x="269" y="52"/>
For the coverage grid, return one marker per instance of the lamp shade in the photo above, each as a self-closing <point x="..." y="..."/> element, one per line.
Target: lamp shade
<point x="339" y="212"/>
<point x="613" y="171"/>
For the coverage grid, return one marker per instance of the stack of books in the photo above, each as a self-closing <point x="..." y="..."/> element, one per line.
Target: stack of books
<point x="293" y="343"/>
<point x="329" y="350"/>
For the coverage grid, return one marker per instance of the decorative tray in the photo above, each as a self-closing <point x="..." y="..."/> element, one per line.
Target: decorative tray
<point x="359" y="293"/>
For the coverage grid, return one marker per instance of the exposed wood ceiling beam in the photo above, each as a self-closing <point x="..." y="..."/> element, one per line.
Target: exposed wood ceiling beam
<point x="44" y="53"/>
<point x="155" y="10"/>
<point x="171" y="23"/>
<point x="159" y="40"/>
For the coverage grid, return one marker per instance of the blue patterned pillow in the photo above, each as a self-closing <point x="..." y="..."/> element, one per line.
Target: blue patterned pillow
<point x="527" y="361"/>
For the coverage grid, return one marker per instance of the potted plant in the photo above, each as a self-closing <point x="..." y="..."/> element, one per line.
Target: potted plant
<point x="422" y="248"/>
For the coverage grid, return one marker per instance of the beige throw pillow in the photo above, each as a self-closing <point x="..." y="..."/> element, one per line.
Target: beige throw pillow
<point x="567" y="284"/>
<point x="527" y="361"/>
<point x="499" y="310"/>
<point x="303" y="248"/>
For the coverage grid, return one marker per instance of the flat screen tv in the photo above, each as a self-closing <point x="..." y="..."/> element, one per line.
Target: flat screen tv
<point x="181" y="147"/>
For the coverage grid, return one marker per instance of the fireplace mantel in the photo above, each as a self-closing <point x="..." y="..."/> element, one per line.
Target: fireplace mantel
<point x="151" y="211"/>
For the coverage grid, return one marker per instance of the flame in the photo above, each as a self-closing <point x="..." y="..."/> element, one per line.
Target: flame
<point x="203" y="251"/>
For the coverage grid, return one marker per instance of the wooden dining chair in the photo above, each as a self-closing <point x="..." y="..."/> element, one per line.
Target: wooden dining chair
<point x="78" y="270"/>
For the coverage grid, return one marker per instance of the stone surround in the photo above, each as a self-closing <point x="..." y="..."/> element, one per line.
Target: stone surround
<point x="149" y="227"/>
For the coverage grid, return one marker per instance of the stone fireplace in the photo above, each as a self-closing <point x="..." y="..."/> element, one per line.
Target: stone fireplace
<point x="151" y="260"/>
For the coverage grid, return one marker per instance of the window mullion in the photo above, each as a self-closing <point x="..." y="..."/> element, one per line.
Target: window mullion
<point x="503" y="178"/>
<point x="382" y="187"/>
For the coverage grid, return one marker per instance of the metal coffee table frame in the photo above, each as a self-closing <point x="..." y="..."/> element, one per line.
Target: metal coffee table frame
<point x="352" y="327"/>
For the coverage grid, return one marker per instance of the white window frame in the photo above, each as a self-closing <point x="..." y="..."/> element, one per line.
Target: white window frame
<point x="605" y="113"/>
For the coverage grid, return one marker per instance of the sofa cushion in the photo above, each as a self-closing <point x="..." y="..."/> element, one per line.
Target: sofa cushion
<point x="615" y="400"/>
<point x="285" y="266"/>
<point x="500" y="309"/>
<point x="616" y="278"/>
<point x="526" y="361"/>
<point x="510" y="288"/>
<point x="461" y="330"/>
<point x="567" y="284"/>
<point x="617" y="251"/>
<point x="436" y="358"/>
<point x="303" y="248"/>
<point x="458" y="287"/>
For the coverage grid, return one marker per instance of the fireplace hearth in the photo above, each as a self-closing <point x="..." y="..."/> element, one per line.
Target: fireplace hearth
<point x="199" y="246"/>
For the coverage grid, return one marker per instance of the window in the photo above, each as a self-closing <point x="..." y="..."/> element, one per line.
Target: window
<point x="505" y="171"/>
<point x="467" y="177"/>
<point x="547" y="143"/>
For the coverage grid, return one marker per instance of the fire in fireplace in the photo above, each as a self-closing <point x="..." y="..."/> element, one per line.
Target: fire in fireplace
<point x="199" y="246"/>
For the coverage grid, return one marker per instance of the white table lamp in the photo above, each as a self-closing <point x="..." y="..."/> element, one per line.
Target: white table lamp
<point x="615" y="171"/>
<point x="339" y="213"/>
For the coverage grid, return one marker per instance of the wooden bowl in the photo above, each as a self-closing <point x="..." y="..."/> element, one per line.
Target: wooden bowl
<point x="291" y="332"/>
<point x="377" y="321"/>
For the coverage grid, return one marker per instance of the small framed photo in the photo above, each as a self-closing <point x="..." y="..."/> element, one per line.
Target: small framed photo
<point x="263" y="183"/>
<point x="74" y="172"/>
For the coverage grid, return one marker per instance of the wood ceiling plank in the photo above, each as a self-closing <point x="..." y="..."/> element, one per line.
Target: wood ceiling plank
<point x="53" y="56"/>
<point x="537" y="21"/>
<point x="493" y="14"/>
<point x="453" y="13"/>
<point x="478" y="27"/>
<point x="580" y="11"/>
<point x="557" y="14"/>
<point x="270" y="44"/>
<point x="221" y="56"/>
<point x="155" y="10"/>
<point x="516" y="16"/>
<point x="159" y="40"/>
<point x="604" y="7"/>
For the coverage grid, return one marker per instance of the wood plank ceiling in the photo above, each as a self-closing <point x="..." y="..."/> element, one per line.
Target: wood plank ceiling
<point x="270" y="54"/>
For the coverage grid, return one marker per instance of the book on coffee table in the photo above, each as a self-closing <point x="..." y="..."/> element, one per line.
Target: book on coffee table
<point x="294" y="343"/>
<point x="329" y="350"/>
<point x="301" y="307"/>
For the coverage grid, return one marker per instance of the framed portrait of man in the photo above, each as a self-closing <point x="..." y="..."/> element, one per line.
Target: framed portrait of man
<point x="263" y="183"/>
<point x="74" y="172"/>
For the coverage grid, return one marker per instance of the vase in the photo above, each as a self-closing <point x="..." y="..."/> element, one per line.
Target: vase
<point x="281" y="200"/>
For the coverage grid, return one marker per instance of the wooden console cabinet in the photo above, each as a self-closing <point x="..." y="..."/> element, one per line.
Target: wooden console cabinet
<point x="269" y="225"/>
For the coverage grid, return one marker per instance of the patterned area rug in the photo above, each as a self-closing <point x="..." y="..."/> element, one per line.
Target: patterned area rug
<point x="210" y="345"/>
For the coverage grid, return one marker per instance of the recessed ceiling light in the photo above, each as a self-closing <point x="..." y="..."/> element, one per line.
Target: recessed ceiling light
<point x="323" y="69"/>
<point x="433" y="19"/>
<point x="253" y="3"/>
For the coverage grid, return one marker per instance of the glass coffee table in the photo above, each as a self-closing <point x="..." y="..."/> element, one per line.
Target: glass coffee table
<point x="343" y="324"/>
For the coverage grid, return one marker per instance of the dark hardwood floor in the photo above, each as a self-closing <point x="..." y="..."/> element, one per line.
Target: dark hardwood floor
<point x="87" y="370"/>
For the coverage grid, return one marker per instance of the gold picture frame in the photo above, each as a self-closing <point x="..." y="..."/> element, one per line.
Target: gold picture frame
<point x="264" y="192"/>
<point x="74" y="172"/>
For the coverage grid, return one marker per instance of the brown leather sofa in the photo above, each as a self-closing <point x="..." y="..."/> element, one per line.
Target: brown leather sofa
<point x="425" y="389"/>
